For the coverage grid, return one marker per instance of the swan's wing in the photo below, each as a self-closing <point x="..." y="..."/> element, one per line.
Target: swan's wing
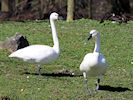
<point x="86" y="62"/>
<point x="93" y="60"/>
<point x="34" y="52"/>
<point x="102" y="61"/>
<point x="94" y="64"/>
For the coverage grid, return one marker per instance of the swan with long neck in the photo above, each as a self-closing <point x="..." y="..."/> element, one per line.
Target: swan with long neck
<point x="94" y="64"/>
<point x="41" y="54"/>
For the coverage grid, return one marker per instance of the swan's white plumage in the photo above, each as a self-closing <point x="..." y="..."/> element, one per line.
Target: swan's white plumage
<point x="40" y="54"/>
<point x="94" y="64"/>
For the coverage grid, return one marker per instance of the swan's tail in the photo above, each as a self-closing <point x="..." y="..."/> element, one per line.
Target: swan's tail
<point x="14" y="54"/>
<point x="11" y="55"/>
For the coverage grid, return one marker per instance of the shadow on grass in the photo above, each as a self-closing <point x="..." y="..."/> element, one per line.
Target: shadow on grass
<point x="55" y="74"/>
<point x="113" y="89"/>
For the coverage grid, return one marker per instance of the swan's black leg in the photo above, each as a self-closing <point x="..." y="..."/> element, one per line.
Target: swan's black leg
<point x="38" y="70"/>
<point x="97" y="84"/>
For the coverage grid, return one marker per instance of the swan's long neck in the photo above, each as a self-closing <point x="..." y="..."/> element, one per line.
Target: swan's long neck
<point x="97" y="43"/>
<point x="55" y="36"/>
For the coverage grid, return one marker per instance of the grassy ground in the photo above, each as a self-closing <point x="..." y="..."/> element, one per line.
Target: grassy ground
<point x="116" y="45"/>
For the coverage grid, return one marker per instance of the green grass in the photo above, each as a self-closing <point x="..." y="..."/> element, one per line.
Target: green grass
<point x="116" y="45"/>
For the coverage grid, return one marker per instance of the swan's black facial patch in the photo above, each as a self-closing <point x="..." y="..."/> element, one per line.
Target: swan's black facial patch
<point x="90" y="37"/>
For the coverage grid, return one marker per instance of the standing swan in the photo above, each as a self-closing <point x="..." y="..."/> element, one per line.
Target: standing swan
<point x="94" y="64"/>
<point x="40" y="54"/>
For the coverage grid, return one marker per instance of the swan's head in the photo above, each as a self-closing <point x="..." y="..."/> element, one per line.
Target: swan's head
<point x="54" y="16"/>
<point x="93" y="33"/>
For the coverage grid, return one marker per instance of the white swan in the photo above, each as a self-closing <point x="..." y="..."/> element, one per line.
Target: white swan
<point x="94" y="64"/>
<point x="40" y="54"/>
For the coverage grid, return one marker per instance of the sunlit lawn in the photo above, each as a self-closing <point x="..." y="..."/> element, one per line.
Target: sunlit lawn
<point x="116" y="45"/>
